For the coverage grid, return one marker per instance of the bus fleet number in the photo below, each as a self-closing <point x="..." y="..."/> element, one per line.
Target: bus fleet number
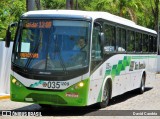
<point x="56" y="85"/>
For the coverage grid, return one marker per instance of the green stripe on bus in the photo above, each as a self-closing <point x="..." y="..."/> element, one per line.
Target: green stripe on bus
<point x="143" y="57"/>
<point x="115" y="71"/>
<point x="121" y="66"/>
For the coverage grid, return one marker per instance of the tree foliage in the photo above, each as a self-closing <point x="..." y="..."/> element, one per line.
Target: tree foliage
<point x="10" y="11"/>
<point x="53" y="4"/>
<point x="142" y="12"/>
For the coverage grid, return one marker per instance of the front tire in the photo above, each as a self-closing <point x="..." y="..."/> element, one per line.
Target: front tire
<point x="105" y="96"/>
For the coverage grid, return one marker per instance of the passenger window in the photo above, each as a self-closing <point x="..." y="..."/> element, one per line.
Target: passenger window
<point x="110" y="40"/>
<point x="154" y="44"/>
<point x="145" y="43"/>
<point x="138" y="42"/>
<point x="151" y="44"/>
<point x="131" y="42"/>
<point x="121" y="40"/>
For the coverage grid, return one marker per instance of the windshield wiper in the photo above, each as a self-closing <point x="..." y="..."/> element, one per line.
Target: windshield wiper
<point x="31" y="57"/>
<point x="57" y="51"/>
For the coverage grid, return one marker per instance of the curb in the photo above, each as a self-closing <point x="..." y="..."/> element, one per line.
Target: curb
<point x="4" y="97"/>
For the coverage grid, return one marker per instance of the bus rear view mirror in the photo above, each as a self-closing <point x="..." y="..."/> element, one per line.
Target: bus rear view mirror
<point x="9" y="34"/>
<point x="8" y="38"/>
<point x="102" y="38"/>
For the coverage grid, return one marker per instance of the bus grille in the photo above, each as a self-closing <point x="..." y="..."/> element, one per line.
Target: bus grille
<point x="46" y="97"/>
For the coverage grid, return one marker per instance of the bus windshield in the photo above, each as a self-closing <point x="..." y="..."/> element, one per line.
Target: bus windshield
<point x="52" y="45"/>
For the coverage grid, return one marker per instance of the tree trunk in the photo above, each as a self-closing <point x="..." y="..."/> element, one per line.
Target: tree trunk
<point x="69" y="4"/>
<point x="76" y="4"/>
<point x="38" y="4"/>
<point x="156" y="16"/>
<point x="155" y="12"/>
<point x="30" y="5"/>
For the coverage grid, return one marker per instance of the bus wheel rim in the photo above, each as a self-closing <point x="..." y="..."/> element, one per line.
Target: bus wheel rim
<point x="142" y="87"/>
<point x="105" y="94"/>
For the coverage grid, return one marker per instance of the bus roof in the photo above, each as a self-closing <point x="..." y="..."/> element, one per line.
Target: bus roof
<point x="90" y="14"/>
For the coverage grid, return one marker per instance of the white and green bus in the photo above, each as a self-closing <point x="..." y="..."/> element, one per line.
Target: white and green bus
<point x="47" y="70"/>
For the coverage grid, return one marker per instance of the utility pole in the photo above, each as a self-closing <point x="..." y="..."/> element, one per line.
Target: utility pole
<point x="30" y="5"/>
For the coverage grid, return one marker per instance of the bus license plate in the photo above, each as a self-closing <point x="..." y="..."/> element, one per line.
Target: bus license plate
<point x="55" y="84"/>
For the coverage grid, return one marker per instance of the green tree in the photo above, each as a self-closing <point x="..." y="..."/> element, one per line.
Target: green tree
<point x="10" y="11"/>
<point x="53" y="4"/>
<point x="142" y="12"/>
<point x="155" y="12"/>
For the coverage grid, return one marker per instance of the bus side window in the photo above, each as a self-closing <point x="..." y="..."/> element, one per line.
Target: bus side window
<point x="121" y="40"/>
<point x="110" y="40"/>
<point x="138" y="42"/>
<point x="131" y="42"/>
<point x="150" y="43"/>
<point x="96" y="48"/>
<point x="154" y="44"/>
<point x="145" y="43"/>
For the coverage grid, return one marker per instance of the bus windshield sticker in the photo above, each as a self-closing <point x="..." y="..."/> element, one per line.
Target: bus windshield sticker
<point x="29" y="55"/>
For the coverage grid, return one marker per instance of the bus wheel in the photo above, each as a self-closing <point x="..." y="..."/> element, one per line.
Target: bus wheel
<point x="105" y="95"/>
<point x="142" y="86"/>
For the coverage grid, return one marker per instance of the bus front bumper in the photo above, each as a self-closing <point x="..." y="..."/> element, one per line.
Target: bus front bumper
<point x="72" y="96"/>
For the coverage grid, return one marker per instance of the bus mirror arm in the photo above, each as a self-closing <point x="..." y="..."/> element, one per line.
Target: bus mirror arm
<point x="102" y="38"/>
<point x="8" y="34"/>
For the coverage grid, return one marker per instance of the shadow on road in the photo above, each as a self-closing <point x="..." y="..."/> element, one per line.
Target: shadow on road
<point x="80" y="111"/>
<point x="58" y="111"/>
<point x="126" y="96"/>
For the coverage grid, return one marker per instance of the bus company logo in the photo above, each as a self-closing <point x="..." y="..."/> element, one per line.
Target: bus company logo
<point x="44" y="84"/>
<point x="73" y="95"/>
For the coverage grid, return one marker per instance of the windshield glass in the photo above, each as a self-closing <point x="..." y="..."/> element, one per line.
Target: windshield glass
<point x="52" y="45"/>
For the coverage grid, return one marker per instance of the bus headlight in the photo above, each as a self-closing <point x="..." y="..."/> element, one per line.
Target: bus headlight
<point x="14" y="80"/>
<point x="81" y="84"/>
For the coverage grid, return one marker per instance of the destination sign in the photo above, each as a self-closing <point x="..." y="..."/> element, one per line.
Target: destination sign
<point x="38" y="24"/>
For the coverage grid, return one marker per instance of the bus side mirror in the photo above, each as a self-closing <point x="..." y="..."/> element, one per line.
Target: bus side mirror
<point x="8" y="38"/>
<point x="8" y="34"/>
